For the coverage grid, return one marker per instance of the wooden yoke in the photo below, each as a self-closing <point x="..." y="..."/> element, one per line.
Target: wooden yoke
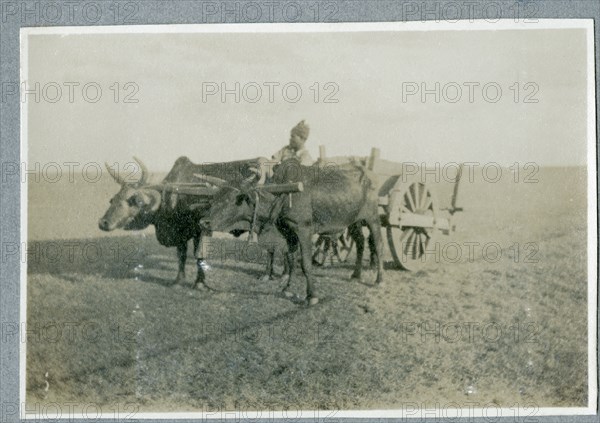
<point x="283" y="188"/>
<point x="205" y="192"/>
<point x="201" y="190"/>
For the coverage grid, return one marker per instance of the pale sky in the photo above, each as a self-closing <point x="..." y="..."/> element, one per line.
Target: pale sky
<point x="370" y="69"/>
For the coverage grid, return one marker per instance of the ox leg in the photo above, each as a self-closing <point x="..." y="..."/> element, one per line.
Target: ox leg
<point x="270" y="262"/>
<point x="292" y="242"/>
<point x="373" y="250"/>
<point x="375" y="233"/>
<point x="269" y="269"/>
<point x="196" y="244"/>
<point x="359" y="239"/>
<point x="182" y="256"/>
<point x="200" y="263"/>
<point x="288" y="267"/>
<point x="306" y="251"/>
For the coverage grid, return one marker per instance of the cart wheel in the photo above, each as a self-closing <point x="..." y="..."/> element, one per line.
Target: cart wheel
<point x="335" y="250"/>
<point x="409" y="243"/>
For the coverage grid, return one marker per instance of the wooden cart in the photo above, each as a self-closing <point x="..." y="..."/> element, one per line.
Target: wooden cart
<point x="409" y="210"/>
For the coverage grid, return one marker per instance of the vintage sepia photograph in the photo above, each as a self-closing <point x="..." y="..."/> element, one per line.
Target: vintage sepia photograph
<point x="316" y="220"/>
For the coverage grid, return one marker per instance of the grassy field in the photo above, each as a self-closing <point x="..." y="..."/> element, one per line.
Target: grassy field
<point x="467" y="330"/>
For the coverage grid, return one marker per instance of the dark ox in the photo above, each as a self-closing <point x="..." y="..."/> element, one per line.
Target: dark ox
<point x="176" y="217"/>
<point x="332" y="200"/>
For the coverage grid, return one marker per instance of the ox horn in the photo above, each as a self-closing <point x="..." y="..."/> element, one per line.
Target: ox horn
<point x="144" y="178"/>
<point x="114" y="174"/>
<point x="211" y="179"/>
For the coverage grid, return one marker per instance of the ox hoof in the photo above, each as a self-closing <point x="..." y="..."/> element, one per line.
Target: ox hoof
<point x="287" y="294"/>
<point x="264" y="278"/>
<point x="285" y="278"/>
<point x="201" y="286"/>
<point x="313" y="301"/>
<point x="355" y="275"/>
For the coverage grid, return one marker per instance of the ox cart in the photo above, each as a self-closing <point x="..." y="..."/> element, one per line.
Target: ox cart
<point x="409" y="209"/>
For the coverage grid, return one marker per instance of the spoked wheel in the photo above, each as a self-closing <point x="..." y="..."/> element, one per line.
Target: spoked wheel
<point x="327" y="247"/>
<point x="411" y="244"/>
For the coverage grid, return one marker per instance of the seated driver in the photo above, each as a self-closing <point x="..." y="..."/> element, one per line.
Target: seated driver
<point x="295" y="149"/>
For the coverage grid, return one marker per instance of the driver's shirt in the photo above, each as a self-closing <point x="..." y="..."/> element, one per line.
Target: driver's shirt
<point x="288" y="152"/>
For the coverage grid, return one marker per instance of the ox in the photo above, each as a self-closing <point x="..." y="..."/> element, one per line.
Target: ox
<point x="176" y="217"/>
<point x="331" y="201"/>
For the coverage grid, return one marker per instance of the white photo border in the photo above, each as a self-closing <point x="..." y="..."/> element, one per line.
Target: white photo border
<point x="476" y="25"/>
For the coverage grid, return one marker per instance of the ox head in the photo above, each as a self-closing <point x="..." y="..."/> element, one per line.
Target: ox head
<point x="133" y="206"/>
<point x="235" y="206"/>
